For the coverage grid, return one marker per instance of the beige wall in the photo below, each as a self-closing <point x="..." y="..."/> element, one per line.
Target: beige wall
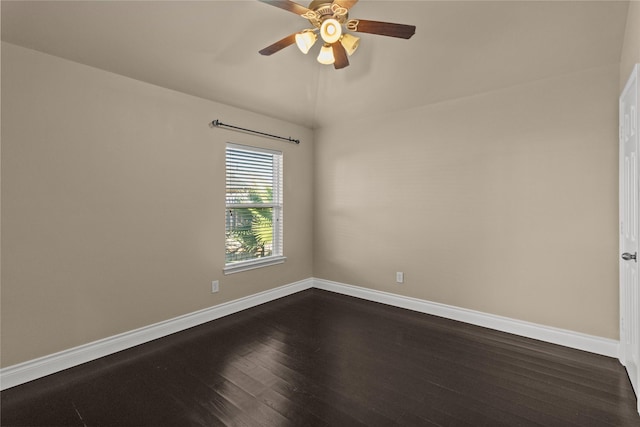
<point x="113" y="204"/>
<point x="504" y="202"/>
<point x="631" y="47"/>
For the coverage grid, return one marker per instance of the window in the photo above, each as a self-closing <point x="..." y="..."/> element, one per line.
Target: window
<point x="253" y="232"/>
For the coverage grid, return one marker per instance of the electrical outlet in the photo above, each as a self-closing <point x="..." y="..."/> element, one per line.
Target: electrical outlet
<point x="399" y="277"/>
<point x="215" y="286"/>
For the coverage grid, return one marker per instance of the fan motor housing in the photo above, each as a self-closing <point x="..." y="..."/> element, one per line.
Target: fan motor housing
<point x="316" y="5"/>
<point x="323" y="10"/>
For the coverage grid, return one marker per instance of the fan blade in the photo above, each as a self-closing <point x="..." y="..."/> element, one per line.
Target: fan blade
<point x="340" y="55"/>
<point x="279" y="45"/>
<point x="382" y="28"/>
<point x="293" y="7"/>
<point x="347" y="4"/>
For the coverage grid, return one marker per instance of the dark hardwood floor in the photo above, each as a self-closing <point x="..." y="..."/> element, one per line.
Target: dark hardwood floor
<point x="321" y="359"/>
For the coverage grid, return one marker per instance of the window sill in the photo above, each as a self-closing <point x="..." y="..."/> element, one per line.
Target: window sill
<point x="250" y="265"/>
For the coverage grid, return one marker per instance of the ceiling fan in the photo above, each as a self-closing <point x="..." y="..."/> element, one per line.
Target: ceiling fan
<point x="328" y="19"/>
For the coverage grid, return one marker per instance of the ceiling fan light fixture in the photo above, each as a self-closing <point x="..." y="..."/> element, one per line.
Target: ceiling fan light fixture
<point x="327" y="18"/>
<point x="305" y="40"/>
<point x="330" y="30"/>
<point x="326" y="55"/>
<point x="350" y="43"/>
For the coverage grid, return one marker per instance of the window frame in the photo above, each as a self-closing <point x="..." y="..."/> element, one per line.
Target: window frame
<point x="277" y="214"/>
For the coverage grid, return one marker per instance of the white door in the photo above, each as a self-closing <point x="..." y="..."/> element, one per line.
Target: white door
<point x="629" y="295"/>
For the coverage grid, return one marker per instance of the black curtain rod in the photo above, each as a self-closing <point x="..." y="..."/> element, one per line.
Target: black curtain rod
<point x="218" y="123"/>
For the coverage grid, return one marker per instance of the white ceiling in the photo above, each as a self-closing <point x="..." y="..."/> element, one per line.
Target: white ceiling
<point x="210" y="49"/>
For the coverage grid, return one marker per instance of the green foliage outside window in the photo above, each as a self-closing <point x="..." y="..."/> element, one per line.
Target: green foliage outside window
<point x="249" y="232"/>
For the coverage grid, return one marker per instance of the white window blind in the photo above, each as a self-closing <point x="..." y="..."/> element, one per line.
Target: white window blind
<point x="253" y="232"/>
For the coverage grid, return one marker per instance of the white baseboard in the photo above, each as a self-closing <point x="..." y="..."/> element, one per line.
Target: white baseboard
<point x="576" y="340"/>
<point x="33" y="369"/>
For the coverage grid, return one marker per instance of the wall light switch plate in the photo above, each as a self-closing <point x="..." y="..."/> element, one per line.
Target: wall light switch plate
<point x="215" y="286"/>
<point x="399" y="277"/>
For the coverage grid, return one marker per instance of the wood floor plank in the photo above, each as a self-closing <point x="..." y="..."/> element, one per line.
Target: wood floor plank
<point x="317" y="358"/>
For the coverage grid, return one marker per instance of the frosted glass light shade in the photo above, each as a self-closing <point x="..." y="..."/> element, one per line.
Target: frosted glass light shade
<point x="350" y="43"/>
<point x="330" y="31"/>
<point x="326" y="55"/>
<point x="305" y="40"/>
